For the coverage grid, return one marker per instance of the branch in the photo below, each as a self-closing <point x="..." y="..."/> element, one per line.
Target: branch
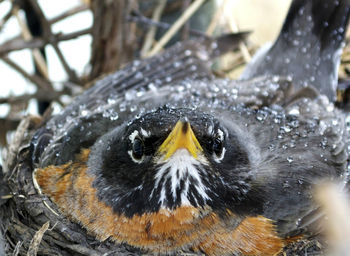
<point x="215" y="20"/>
<point x="52" y="39"/>
<point x="41" y="82"/>
<point x="243" y="48"/>
<point x="139" y="18"/>
<point x="39" y="95"/>
<point x="176" y="26"/>
<point x="73" y="11"/>
<point x="4" y="20"/>
<point x="38" y="57"/>
<point x="149" y="38"/>
<point x="186" y="27"/>
<point x="34" y="244"/>
<point x="17" y="43"/>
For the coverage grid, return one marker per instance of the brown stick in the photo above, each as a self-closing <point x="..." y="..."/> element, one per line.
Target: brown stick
<point x="149" y="38"/>
<point x="17" y="43"/>
<point x="216" y="18"/>
<point x="176" y="26"/>
<point x="52" y="39"/>
<point x="34" y="244"/>
<point x="4" y="20"/>
<point x="39" y="81"/>
<point x="40" y="95"/>
<point x="38" y="57"/>
<point x="242" y="46"/>
<point x="71" y="12"/>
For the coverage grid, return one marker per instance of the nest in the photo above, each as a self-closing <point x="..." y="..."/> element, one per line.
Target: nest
<point x="32" y="225"/>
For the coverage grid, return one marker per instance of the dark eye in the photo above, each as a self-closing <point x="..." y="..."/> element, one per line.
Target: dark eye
<point x="218" y="147"/>
<point x="138" y="149"/>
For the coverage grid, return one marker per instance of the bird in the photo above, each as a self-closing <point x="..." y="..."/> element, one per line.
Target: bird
<point x="165" y="157"/>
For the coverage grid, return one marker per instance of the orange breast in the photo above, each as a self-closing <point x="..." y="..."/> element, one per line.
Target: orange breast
<point x="70" y="187"/>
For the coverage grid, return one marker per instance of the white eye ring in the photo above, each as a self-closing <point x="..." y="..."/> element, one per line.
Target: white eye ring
<point x="218" y="158"/>
<point x="138" y="161"/>
<point x="132" y="137"/>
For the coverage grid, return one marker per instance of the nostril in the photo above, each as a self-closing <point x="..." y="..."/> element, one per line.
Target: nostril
<point x="185" y="127"/>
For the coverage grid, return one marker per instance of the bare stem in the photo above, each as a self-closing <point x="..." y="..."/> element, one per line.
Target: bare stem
<point x="149" y="38"/>
<point x="17" y="43"/>
<point x="176" y="26"/>
<point x="39" y="81"/>
<point x="71" y="12"/>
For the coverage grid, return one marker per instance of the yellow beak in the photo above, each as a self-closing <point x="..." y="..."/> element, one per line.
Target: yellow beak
<point x="181" y="136"/>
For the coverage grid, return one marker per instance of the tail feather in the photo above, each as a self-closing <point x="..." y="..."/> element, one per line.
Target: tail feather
<point x="308" y="47"/>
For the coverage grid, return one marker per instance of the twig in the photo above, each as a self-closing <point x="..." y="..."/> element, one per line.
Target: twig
<point x="137" y="17"/>
<point x="149" y="38"/>
<point x="7" y="16"/>
<point x="176" y="26"/>
<point x="38" y="57"/>
<point x="233" y="67"/>
<point x="345" y="62"/>
<point x="215" y="20"/>
<point x="71" y="12"/>
<point x="237" y="59"/>
<point x="72" y="76"/>
<point x="186" y="27"/>
<point x="243" y="48"/>
<point x="17" y="43"/>
<point x="22" y="124"/>
<point x="9" y="240"/>
<point x="5" y="197"/>
<point x="34" y="244"/>
<point x="39" y="95"/>
<point x="52" y="39"/>
<point x="41" y="82"/>
<point x="72" y="35"/>
<point x="17" y="248"/>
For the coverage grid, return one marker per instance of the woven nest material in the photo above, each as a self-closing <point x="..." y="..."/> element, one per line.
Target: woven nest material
<point x="31" y="223"/>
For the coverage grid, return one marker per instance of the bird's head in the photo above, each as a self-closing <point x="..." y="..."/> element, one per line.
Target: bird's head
<point x="171" y="158"/>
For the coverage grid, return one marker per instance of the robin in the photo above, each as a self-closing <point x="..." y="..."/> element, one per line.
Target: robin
<point x="165" y="157"/>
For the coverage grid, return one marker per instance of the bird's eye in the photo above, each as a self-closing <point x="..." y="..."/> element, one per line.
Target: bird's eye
<point x="218" y="146"/>
<point x="138" y="149"/>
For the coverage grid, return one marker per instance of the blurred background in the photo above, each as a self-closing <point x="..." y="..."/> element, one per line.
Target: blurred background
<point x="50" y="51"/>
